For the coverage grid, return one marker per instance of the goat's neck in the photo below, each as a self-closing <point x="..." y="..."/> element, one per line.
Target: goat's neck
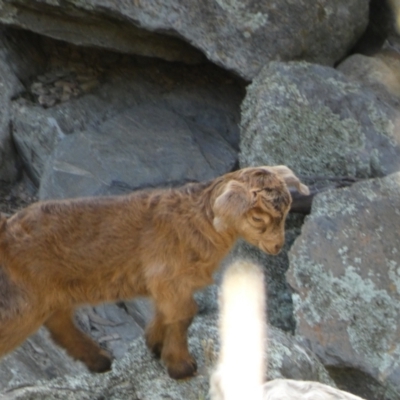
<point x="225" y="237"/>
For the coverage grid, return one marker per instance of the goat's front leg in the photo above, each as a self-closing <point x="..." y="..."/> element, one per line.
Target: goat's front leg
<point x="175" y="353"/>
<point x="167" y="334"/>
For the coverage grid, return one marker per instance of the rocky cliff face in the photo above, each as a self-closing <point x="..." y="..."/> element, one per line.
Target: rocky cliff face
<point x="238" y="36"/>
<point x="102" y="97"/>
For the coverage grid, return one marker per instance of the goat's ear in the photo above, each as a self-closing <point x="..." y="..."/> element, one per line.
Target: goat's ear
<point x="235" y="200"/>
<point x="290" y="178"/>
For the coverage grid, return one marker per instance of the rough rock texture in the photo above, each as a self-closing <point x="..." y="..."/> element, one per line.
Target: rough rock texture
<point x="138" y="123"/>
<point x="313" y="119"/>
<point x="110" y="25"/>
<point x="379" y="72"/>
<point x="345" y="270"/>
<point x="9" y="87"/>
<point x="240" y="36"/>
<point x="139" y="376"/>
<point x="148" y="147"/>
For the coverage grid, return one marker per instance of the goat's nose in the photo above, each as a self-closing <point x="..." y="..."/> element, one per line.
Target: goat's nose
<point x="277" y="248"/>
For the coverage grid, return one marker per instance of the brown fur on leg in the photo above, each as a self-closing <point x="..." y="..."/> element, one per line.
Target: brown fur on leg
<point x="180" y="363"/>
<point x="177" y="313"/>
<point x="14" y="332"/>
<point x="155" y="334"/>
<point x="19" y="317"/>
<point x="162" y="243"/>
<point x="175" y="354"/>
<point x="79" y="346"/>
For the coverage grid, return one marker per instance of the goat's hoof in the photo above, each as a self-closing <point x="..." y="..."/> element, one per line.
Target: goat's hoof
<point x="183" y="369"/>
<point x="102" y="362"/>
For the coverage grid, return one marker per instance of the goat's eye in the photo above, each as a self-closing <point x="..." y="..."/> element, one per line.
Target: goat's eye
<point x="257" y="219"/>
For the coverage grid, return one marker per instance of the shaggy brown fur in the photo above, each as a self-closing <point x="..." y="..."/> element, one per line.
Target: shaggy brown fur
<point x="57" y="255"/>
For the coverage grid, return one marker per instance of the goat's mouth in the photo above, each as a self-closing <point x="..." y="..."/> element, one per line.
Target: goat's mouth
<point x="272" y="249"/>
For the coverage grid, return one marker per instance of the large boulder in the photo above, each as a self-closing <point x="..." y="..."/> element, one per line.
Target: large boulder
<point x="345" y="271"/>
<point x="318" y="122"/>
<point x="240" y="36"/>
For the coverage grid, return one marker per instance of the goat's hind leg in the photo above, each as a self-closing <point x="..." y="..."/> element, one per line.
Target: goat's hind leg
<point x="14" y="331"/>
<point x="78" y="345"/>
<point x="18" y="315"/>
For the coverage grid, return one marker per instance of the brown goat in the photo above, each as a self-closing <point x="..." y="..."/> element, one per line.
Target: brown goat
<point x="161" y="243"/>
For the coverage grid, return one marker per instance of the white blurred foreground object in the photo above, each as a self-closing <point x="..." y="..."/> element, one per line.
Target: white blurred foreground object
<point x="240" y="370"/>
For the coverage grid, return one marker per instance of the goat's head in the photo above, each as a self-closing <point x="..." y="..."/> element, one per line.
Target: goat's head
<point x="255" y="202"/>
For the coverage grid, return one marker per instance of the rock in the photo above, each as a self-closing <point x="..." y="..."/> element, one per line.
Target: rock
<point x="239" y="36"/>
<point x="380" y="28"/>
<point x="202" y="99"/>
<point x="149" y="146"/>
<point x="9" y="87"/>
<point x="36" y="133"/>
<point x="140" y="376"/>
<point x="345" y="271"/>
<point x="395" y="6"/>
<point x="380" y="73"/>
<point x="87" y="23"/>
<point x="319" y="123"/>
<point x="20" y="58"/>
<point x="288" y="358"/>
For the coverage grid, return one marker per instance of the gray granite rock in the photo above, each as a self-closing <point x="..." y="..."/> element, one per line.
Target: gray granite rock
<point x="315" y="120"/>
<point x="344" y="269"/>
<point x="239" y="36"/>
<point x="379" y="72"/>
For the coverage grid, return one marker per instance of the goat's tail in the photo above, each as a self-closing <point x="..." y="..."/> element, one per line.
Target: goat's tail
<point x="241" y="365"/>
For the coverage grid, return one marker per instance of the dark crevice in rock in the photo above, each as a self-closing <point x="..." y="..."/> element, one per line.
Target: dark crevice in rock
<point x="360" y="384"/>
<point x="380" y="26"/>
